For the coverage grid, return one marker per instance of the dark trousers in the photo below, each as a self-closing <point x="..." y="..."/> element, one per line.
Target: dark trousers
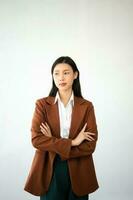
<point x="60" y="186"/>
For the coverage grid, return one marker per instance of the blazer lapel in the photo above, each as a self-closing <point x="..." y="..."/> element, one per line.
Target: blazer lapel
<point x="77" y="118"/>
<point x="53" y="119"/>
<point x="78" y="113"/>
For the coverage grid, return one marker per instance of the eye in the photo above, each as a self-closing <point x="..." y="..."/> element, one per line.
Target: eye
<point x="56" y="73"/>
<point x="66" y="73"/>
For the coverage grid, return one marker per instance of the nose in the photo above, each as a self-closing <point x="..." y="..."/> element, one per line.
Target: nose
<point x="61" y="77"/>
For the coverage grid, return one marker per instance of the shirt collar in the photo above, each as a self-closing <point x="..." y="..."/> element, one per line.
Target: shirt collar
<point x="57" y="97"/>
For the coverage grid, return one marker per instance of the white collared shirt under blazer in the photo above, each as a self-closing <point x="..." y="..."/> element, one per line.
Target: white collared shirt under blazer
<point x="65" y="113"/>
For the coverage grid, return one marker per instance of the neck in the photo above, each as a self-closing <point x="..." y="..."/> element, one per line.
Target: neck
<point x="65" y="95"/>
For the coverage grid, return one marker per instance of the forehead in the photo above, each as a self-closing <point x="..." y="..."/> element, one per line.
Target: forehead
<point x="62" y="67"/>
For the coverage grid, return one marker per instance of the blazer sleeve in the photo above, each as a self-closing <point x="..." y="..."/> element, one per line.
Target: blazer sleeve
<point x="61" y="146"/>
<point x="86" y="148"/>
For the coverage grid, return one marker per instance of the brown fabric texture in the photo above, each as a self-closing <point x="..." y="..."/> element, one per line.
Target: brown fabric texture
<point x="79" y="158"/>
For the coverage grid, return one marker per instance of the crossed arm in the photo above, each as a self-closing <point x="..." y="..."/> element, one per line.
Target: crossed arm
<point x="84" y="144"/>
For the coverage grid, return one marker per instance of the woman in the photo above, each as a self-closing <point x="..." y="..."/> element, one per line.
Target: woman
<point x="64" y="133"/>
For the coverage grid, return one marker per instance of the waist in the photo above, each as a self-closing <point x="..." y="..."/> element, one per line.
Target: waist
<point x="58" y="158"/>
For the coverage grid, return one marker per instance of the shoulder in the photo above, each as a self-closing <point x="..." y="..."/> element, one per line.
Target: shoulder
<point x="89" y="103"/>
<point x="50" y="100"/>
<point x="45" y="100"/>
<point x="84" y="102"/>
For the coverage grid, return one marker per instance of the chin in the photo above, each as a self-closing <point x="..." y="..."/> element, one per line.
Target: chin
<point x="64" y="89"/>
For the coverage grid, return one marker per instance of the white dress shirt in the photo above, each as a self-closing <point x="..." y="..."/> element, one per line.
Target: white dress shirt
<point x="65" y="113"/>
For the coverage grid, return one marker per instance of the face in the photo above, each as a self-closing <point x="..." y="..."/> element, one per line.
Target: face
<point x="64" y="76"/>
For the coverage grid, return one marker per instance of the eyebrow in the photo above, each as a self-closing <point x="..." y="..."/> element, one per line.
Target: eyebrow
<point x="63" y="70"/>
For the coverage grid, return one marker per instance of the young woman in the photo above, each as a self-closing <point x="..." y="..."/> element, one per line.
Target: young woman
<point x="64" y="133"/>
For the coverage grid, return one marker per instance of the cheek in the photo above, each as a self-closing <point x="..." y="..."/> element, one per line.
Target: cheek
<point x="55" y="78"/>
<point x="70" y="80"/>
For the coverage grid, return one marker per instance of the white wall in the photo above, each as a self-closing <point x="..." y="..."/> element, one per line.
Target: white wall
<point x="97" y="34"/>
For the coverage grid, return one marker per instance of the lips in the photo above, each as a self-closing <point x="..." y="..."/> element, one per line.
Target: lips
<point x="62" y="84"/>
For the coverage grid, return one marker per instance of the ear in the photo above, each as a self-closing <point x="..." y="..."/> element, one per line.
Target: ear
<point x="75" y="75"/>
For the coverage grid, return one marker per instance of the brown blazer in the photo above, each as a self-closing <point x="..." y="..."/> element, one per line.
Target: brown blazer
<point x="79" y="158"/>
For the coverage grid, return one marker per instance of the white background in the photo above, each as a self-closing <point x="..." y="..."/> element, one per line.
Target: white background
<point x="97" y="34"/>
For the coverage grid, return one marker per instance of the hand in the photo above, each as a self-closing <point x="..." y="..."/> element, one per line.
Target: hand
<point x="45" y="129"/>
<point x="83" y="136"/>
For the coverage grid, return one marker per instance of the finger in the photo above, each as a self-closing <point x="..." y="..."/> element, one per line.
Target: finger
<point x="89" y="137"/>
<point x="44" y="128"/>
<point x="44" y="125"/>
<point x="44" y="131"/>
<point x="48" y="128"/>
<point x="89" y="133"/>
<point x="47" y="125"/>
<point x="84" y="127"/>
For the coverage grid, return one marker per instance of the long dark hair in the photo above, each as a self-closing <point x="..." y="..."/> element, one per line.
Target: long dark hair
<point x="76" y="83"/>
